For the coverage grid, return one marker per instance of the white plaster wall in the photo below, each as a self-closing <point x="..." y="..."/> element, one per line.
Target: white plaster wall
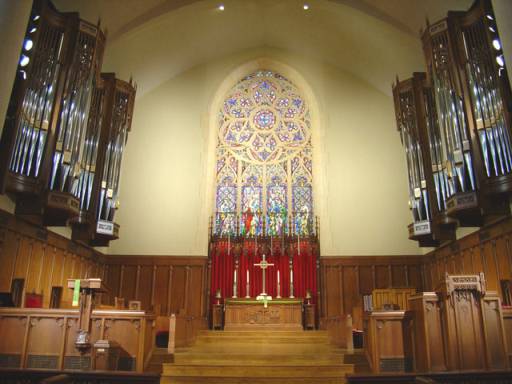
<point x="165" y="196"/>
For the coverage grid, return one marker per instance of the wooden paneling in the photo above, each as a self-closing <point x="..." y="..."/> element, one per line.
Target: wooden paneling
<point x="382" y="276"/>
<point x="128" y="284"/>
<point x="160" y="282"/>
<point x="398" y="276"/>
<point x="145" y="285"/>
<point x="346" y="279"/>
<point x="366" y="283"/>
<point x="178" y="285"/>
<point x="350" y="289"/>
<point x="486" y="250"/>
<point x="8" y="251"/>
<point x="42" y="258"/>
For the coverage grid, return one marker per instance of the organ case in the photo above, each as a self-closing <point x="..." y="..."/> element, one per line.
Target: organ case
<point x="419" y="132"/>
<point x="485" y="83"/>
<point x="471" y="92"/>
<point x="106" y="136"/>
<point x="44" y="130"/>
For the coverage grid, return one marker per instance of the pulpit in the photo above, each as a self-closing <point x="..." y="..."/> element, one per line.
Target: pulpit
<point x="459" y="327"/>
<point x="472" y="322"/>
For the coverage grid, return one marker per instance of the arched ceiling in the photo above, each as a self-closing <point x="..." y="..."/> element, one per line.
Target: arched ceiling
<point x="155" y="40"/>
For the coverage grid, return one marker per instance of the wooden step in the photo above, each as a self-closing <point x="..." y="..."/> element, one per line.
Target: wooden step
<point x="273" y="340"/>
<point x="283" y="371"/>
<point x="251" y="380"/>
<point x="262" y="333"/>
<point x="264" y="348"/>
<point x="261" y="359"/>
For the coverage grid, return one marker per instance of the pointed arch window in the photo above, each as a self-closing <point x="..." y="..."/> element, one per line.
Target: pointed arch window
<point x="264" y="159"/>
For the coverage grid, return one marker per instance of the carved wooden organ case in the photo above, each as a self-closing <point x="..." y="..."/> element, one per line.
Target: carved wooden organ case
<point x="420" y="135"/>
<point x="47" y="114"/>
<point x="467" y="149"/>
<point x="110" y="120"/>
<point x="466" y="69"/>
<point x="66" y="125"/>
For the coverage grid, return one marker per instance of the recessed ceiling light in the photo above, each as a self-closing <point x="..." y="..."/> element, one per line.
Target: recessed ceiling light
<point x="221" y="7"/>
<point x="306" y="7"/>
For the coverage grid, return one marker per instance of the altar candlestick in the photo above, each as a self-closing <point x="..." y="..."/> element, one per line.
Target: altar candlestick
<point x="247" y="287"/>
<point x="234" y="286"/>
<point x="278" y="286"/>
<point x="291" y="283"/>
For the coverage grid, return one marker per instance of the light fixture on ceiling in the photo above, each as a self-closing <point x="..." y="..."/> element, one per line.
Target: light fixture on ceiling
<point x="220" y="7"/>
<point x="305" y="7"/>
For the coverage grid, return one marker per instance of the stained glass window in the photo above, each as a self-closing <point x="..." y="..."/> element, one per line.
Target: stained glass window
<point x="264" y="158"/>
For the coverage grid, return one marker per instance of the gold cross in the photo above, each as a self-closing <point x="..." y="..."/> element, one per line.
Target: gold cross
<point x="263" y="265"/>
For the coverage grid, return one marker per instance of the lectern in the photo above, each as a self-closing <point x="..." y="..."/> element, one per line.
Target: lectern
<point x="85" y="289"/>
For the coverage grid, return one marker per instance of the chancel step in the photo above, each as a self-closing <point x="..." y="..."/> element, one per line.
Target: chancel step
<point x="258" y="357"/>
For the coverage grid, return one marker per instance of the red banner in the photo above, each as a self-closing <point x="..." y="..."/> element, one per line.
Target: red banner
<point x="224" y="253"/>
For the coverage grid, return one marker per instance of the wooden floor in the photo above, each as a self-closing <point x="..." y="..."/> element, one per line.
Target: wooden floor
<point x="229" y="357"/>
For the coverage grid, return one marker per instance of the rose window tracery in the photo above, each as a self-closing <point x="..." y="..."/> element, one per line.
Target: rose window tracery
<point x="264" y="154"/>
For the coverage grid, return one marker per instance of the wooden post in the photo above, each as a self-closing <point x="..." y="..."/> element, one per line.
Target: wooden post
<point x="172" y="334"/>
<point x="88" y="288"/>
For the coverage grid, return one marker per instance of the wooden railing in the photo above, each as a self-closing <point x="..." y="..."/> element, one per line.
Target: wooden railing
<point x="182" y="329"/>
<point x="43" y="338"/>
<point x="339" y="329"/>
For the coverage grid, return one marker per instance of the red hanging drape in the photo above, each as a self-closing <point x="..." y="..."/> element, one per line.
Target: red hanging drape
<point x="223" y="256"/>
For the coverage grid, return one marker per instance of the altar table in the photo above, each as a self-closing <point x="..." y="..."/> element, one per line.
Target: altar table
<point x="249" y="314"/>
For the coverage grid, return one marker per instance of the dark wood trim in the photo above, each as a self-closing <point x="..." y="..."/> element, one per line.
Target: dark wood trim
<point x="372" y="260"/>
<point x="155" y="260"/>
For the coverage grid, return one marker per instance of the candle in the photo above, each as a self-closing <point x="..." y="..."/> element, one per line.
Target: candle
<point x="278" y="276"/>
<point x="235" y="275"/>
<point x="291" y="275"/>
<point x="247" y="275"/>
